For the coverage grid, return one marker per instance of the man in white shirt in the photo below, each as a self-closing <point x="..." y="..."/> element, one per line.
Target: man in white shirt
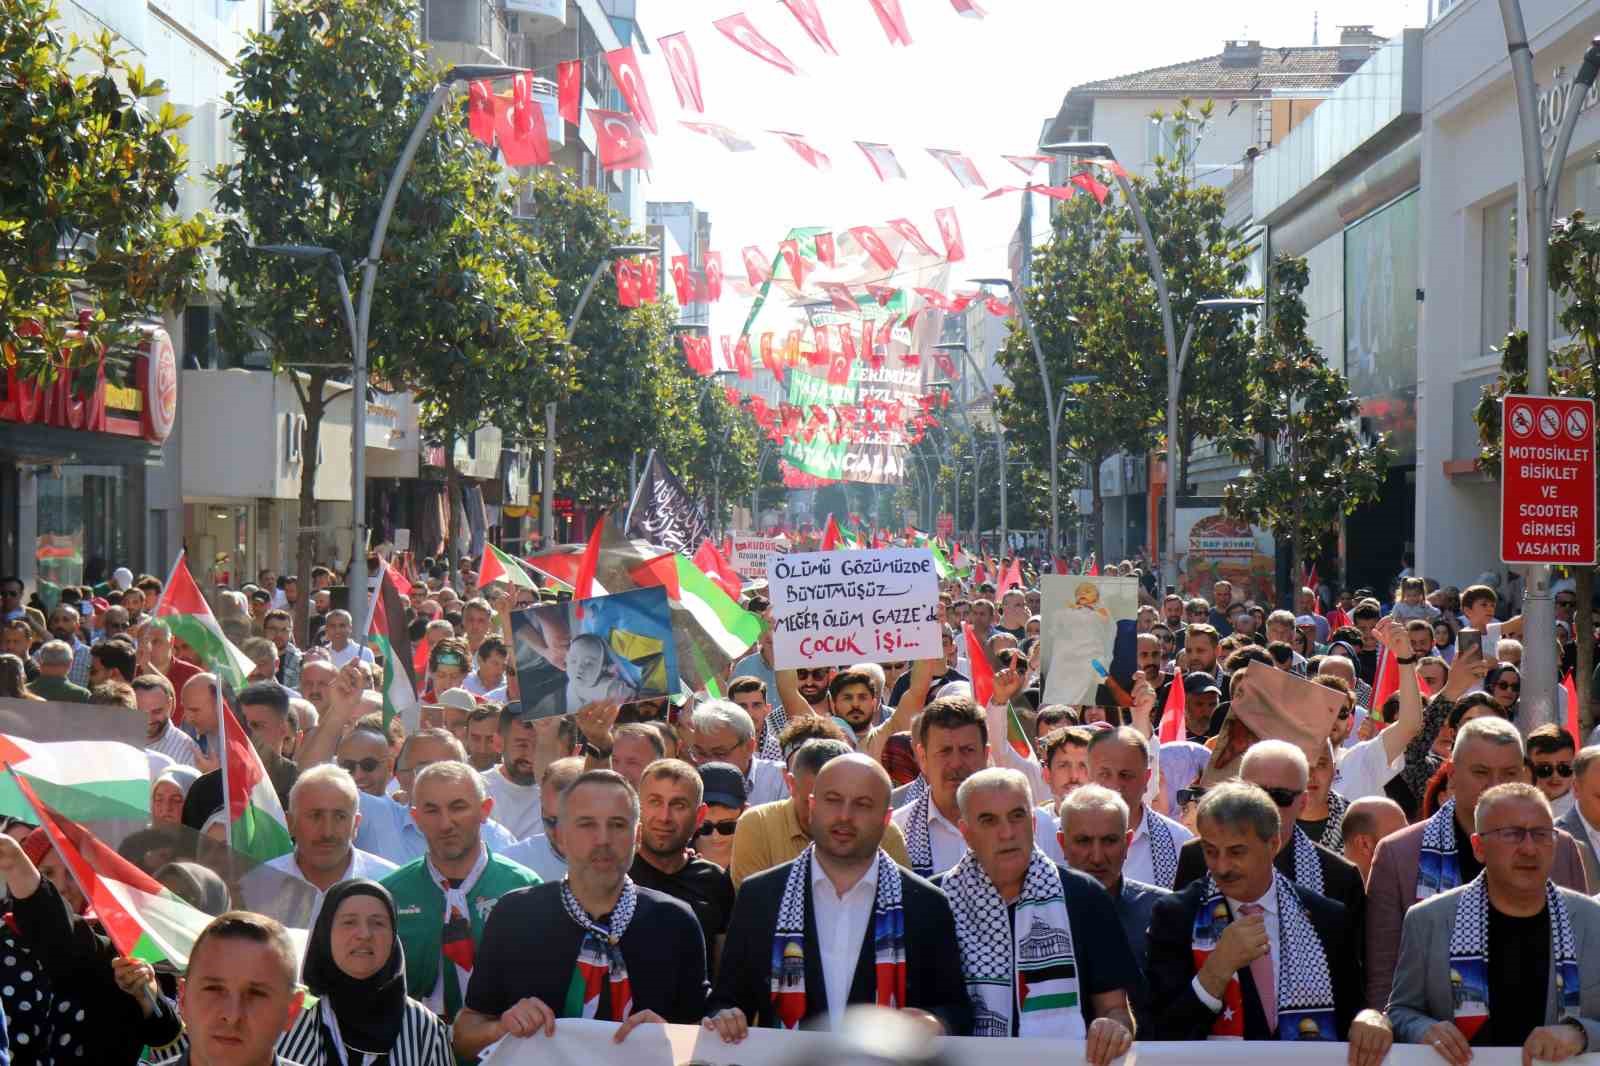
<point x="513" y="784"/>
<point x="323" y="818"/>
<point x="156" y="699"/>
<point x="951" y="743"/>
<point x="336" y="628"/>
<point x="1364" y="768"/>
<point x="489" y="679"/>
<point x="541" y="852"/>
<point x="721" y="731"/>
<point x="1119" y="759"/>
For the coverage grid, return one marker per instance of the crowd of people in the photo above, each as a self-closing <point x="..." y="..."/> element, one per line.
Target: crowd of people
<point x="822" y="837"/>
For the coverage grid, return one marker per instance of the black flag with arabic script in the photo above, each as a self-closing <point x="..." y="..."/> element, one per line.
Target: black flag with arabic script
<point x="663" y="512"/>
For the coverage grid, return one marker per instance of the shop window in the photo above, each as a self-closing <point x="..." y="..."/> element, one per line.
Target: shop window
<point x="1499" y="301"/>
<point x="82" y="524"/>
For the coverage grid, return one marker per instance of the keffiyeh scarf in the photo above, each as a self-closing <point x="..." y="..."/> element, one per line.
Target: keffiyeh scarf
<point x="1469" y="957"/>
<point x="1304" y="986"/>
<point x="1332" y="836"/>
<point x="600" y="966"/>
<point x="789" y="941"/>
<point x="1307" y="866"/>
<point x="455" y="942"/>
<point x="1026" y="958"/>
<point x="1163" y="850"/>
<point x="919" y="843"/>
<point x="1438" y="869"/>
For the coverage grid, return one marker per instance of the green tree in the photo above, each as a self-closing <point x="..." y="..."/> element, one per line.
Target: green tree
<point x="89" y="180"/>
<point x="1308" y="464"/>
<point x="461" y="312"/>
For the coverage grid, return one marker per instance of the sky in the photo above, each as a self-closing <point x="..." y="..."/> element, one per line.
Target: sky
<point x="983" y="86"/>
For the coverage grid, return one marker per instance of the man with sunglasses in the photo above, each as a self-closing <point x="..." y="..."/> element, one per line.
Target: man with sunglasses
<point x="11" y="599"/>
<point x="672" y="810"/>
<point x="1550" y="754"/>
<point x="723" y="790"/>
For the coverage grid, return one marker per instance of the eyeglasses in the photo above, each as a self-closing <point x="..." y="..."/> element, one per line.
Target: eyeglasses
<point x="705" y="755"/>
<point x="1187" y="796"/>
<point x="1506" y="686"/>
<point x="1517" y="835"/>
<point x="1543" y="770"/>
<point x="1284" y="797"/>
<point x="724" y="828"/>
<point x="366" y="766"/>
<point x="821" y="673"/>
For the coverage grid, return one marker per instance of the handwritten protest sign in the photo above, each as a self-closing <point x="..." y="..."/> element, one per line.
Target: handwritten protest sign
<point x="751" y="554"/>
<point x="837" y="608"/>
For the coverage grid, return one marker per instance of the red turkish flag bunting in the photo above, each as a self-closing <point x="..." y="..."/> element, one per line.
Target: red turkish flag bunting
<point x="630" y="83"/>
<point x="882" y="160"/>
<point x="685" y="71"/>
<point x="620" y="141"/>
<point x="822" y="345"/>
<point x="904" y="227"/>
<point x="893" y="21"/>
<point x="839" y="367"/>
<point x="847" y="343"/>
<point x="480" y="111"/>
<point x="769" y="360"/>
<point x="840" y="295"/>
<point x="713" y="268"/>
<point x="742" y="32"/>
<point x="1089" y="184"/>
<point x="729" y="138"/>
<point x="741" y="360"/>
<point x="827" y="255"/>
<point x="946" y="367"/>
<point x="1026" y="163"/>
<point x="627" y="283"/>
<point x="692" y="355"/>
<point x="650" y="280"/>
<point x="968" y="8"/>
<point x="797" y="264"/>
<point x="960" y="167"/>
<point x="520" y="127"/>
<point x="997" y="307"/>
<point x="569" y="90"/>
<point x="873" y="245"/>
<point x="950" y="233"/>
<point x="682" y="283"/>
<point x="937" y="300"/>
<point x="882" y="293"/>
<point x="756" y="267"/>
<point x="810" y="19"/>
<point x="804" y="150"/>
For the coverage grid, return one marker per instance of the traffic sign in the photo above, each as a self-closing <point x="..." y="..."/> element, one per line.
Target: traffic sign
<point x="1547" y="481"/>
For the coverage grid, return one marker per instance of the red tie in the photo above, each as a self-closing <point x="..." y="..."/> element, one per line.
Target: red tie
<point x="1261" y="972"/>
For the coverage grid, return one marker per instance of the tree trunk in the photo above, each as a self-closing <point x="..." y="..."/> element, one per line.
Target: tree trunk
<point x="1583" y="633"/>
<point x="306" y="539"/>
<point x="452" y="492"/>
<point x="1099" y="507"/>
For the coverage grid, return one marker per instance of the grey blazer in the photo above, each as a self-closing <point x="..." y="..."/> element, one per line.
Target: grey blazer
<point x="1421" y="994"/>
<point x="1591" y="862"/>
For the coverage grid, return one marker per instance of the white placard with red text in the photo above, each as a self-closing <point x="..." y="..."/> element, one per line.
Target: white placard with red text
<point x="840" y="607"/>
<point x="752" y="553"/>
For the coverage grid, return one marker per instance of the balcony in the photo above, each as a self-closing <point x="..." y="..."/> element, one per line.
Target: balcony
<point x="465" y="31"/>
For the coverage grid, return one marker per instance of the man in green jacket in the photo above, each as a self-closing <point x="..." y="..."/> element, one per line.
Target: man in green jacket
<point x="55" y="662"/>
<point x="443" y="899"/>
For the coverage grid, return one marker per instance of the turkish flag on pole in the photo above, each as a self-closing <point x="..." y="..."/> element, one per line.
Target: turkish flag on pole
<point x="583" y="586"/>
<point x="569" y="86"/>
<point x="893" y="21"/>
<point x="756" y="267"/>
<point x="1172" y="714"/>
<point x="619" y="140"/>
<point x="827" y="255"/>
<point x="950" y="233"/>
<point x="630" y="82"/>
<point x="810" y="19"/>
<point x="628" y="282"/>
<point x="803" y="148"/>
<point x="831" y="535"/>
<point x="681" y="282"/>
<point x="873" y="245"/>
<point x="1574" y="723"/>
<point x="685" y="71"/>
<point x="882" y="160"/>
<point x="1387" y="681"/>
<point x="481" y="111"/>
<point x="742" y="32"/>
<point x="960" y="167"/>
<point x="713" y="276"/>
<point x="912" y="235"/>
<point x="520" y="127"/>
<point x="978" y="663"/>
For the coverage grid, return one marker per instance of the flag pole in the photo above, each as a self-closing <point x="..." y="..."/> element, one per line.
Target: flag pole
<point x="155" y="612"/>
<point x="627" y="521"/>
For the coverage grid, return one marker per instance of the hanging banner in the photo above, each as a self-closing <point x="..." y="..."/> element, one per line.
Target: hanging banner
<point x="840" y="607"/>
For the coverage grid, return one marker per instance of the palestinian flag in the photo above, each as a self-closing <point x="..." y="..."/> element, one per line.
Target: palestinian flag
<point x="82" y="779"/>
<point x="144" y="919"/>
<point x="256" y="825"/>
<point x="983" y="692"/>
<point x="831" y="537"/>
<point x="498" y="566"/>
<point x="188" y="617"/>
<point x="730" y="627"/>
<point x="387" y="636"/>
<point x="941" y="565"/>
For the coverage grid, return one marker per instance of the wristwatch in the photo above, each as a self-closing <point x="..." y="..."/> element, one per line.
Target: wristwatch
<point x="1407" y="662"/>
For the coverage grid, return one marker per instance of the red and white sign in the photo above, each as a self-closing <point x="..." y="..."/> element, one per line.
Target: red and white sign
<point x="1547" y="486"/>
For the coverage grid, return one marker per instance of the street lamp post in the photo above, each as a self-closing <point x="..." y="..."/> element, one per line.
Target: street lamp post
<point x="1539" y="177"/>
<point x="999" y="430"/>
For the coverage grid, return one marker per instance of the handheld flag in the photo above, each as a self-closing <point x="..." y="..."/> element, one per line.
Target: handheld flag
<point x="188" y="617"/>
<point x="1387" y="682"/>
<point x="831" y="537"/>
<point x="1173" y="712"/>
<point x="498" y="566"/>
<point x="711" y="562"/>
<point x="1574" y="722"/>
<point x="256" y="825"/>
<point x="982" y="672"/>
<point x="583" y="588"/>
<point x="388" y="637"/>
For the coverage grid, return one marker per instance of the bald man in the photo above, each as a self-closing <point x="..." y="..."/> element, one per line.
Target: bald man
<point x="1368" y="821"/>
<point x="844" y="922"/>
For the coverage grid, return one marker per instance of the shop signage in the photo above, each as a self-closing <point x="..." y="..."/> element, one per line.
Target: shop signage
<point x="1547" y="487"/>
<point x="1554" y="99"/>
<point x="147" y="408"/>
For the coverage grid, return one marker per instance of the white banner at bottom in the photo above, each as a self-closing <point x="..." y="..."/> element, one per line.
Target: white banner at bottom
<point x="589" y="1043"/>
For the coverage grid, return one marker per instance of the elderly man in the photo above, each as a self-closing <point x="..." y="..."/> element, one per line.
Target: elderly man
<point x="543" y="852"/>
<point x="1436" y="855"/>
<point x="841" y="924"/>
<point x="1041" y="950"/>
<point x="443" y="899"/>
<point x="1119" y="759"/>
<point x="609" y="949"/>
<point x="391" y="829"/>
<point x="55" y="659"/>
<point x="1368" y="821"/>
<point x="723" y="732"/>
<point x="1582" y="822"/>
<point x="317" y="677"/>
<point x="1496" y="962"/>
<point x="633" y="747"/>
<point x="155" y="697"/>
<point x="324" y="811"/>
<point x="1280" y="770"/>
<point x="1246" y="953"/>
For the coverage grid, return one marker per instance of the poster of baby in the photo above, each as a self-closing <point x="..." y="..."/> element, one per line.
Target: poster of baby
<point x="616" y="647"/>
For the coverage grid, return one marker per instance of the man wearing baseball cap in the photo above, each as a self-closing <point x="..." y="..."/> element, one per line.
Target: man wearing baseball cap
<point x="1200" y="697"/>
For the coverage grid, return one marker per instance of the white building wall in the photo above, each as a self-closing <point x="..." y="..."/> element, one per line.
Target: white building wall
<point x="1125" y="125"/>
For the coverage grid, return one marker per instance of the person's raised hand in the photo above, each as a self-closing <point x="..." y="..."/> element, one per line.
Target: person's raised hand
<point x="728" y="1023"/>
<point x="529" y="1017"/>
<point x="138" y="979"/>
<point x="596" y="719"/>
<point x="17" y="870"/>
<point x="1393" y="635"/>
<point x="1468" y="670"/>
<point x="1007" y="683"/>
<point x="1108" y="1039"/>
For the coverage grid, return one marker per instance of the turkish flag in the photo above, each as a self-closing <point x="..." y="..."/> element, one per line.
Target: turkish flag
<point x="950" y="233"/>
<point x="791" y="347"/>
<point x="839" y="368"/>
<point x="741" y="359"/>
<point x="840" y="295"/>
<point x="797" y="264"/>
<point x="882" y="293"/>
<point x="967" y="8"/>
<point x="882" y="160"/>
<point x="826" y="253"/>
<point x="685" y="71"/>
<point x="742" y="32"/>
<point x="997" y="307"/>
<point x="1055" y="192"/>
<point x="911" y="359"/>
<point x="769" y="358"/>
<point x="886" y="333"/>
<point x="730" y="140"/>
<point x="682" y="283"/>
<point x="1026" y="163"/>
<point x="630" y="83"/>
<point x="619" y="140"/>
<point x="873" y="245"/>
<point x="893" y="21"/>
<point x="481" y="111"/>
<point x="960" y="167"/>
<point x="810" y="19"/>
<point x="520" y="127"/>
<point x="803" y="148"/>
<point x="1090" y="185"/>
<point x="936" y="299"/>
<point x="961" y="301"/>
<point x="847" y="344"/>
<point x="713" y="268"/>
<point x="727" y="352"/>
<point x="756" y="267"/>
<point x="650" y="280"/>
<point x="946" y="367"/>
<point x="822" y="343"/>
<point x="904" y="227"/>
<point x="569" y="84"/>
<point x="627" y="283"/>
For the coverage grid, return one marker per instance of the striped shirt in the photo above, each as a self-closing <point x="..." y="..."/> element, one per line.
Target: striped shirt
<point x="424" y="1040"/>
<point x="176" y="745"/>
<point x="79" y="673"/>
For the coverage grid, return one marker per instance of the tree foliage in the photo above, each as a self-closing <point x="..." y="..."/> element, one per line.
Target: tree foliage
<point x="89" y="178"/>
<point x="1298" y="430"/>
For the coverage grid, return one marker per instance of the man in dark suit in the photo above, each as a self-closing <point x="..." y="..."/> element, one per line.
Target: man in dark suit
<point x="1262" y="959"/>
<point x="843" y="911"/>
<point x="1281" y="770"/>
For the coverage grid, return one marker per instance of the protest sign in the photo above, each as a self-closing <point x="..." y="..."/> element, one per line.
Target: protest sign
<point x="617" y="648"/>
<point x="1086" y="620"/>
<point x="1270" y="704"/>
<point x="837" y="608"/>
<point x="752" y="553"/>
